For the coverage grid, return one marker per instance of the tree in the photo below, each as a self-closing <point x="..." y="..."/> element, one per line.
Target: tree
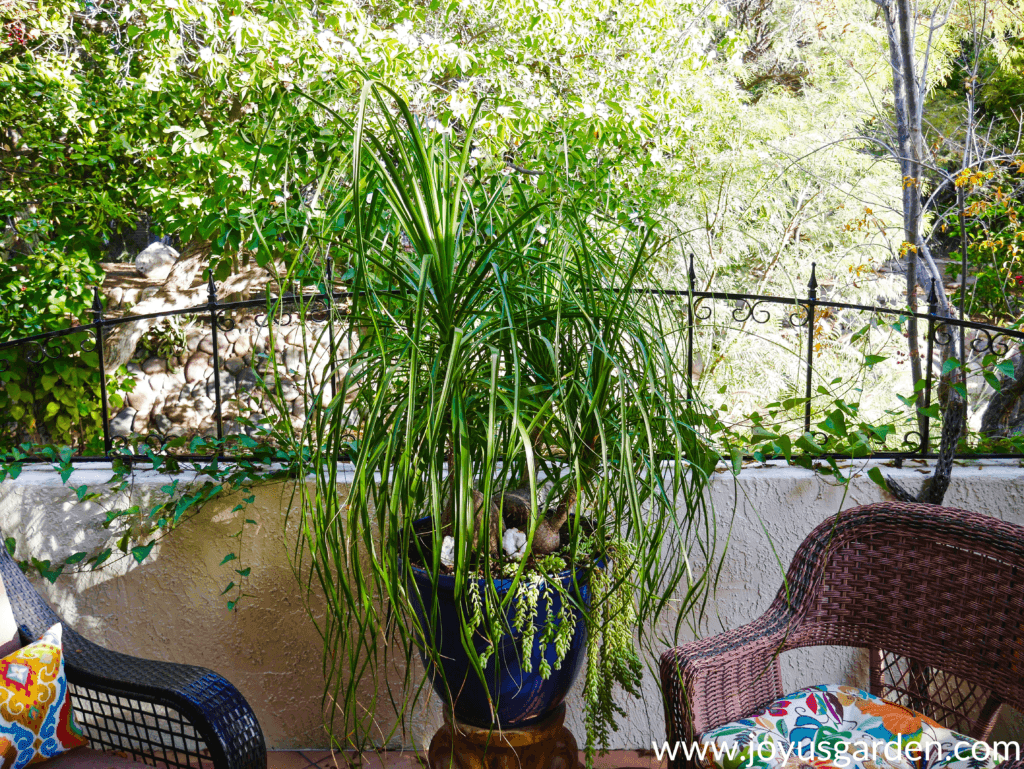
<point x="944" y="23"/>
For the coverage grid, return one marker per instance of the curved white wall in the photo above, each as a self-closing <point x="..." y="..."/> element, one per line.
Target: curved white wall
<point x="169" y="607"/>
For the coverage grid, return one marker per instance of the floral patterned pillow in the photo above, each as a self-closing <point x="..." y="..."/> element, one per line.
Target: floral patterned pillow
<point x="36" y="722"/>
<point x="841" y="727"/>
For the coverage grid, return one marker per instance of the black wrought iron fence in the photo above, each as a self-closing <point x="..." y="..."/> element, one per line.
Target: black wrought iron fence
<point x="693" y="305"/>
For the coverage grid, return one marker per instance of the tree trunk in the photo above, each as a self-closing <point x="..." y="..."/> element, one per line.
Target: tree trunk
<point x="908" y="95"/>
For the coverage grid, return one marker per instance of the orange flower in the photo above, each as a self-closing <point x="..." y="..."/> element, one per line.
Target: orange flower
<point x="896" y="718"/>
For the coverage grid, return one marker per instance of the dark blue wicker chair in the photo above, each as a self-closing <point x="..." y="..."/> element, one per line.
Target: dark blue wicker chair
<point x="157" y="713"/>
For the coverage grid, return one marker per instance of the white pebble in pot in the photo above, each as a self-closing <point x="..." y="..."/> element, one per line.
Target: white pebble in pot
<point x="513" y="541"/>
<point x="448" y="551"/>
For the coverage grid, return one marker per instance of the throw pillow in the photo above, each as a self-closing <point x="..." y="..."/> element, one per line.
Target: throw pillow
<point x="36" y="722"/>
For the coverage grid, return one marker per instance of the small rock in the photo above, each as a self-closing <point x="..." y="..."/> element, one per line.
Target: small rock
<point x="288" y="390"/>
<point x="197" y="367"/>
<point x="192" y="341"/>
<point x="121" y="424"/>
<point x="298" y="407"/>
<point x="513" y="542"/>
<point x="162" y="423"/>
<point x="154" y="366"/>
<point x="227" y="386"/>
<point x="178" y="413"/>
<point x="155" y="261"/>
<point x="114" y="297"/>
<point x="246" y="379"/>
<point x="232" y="335"/>
<point x="235" y="365"/>
<point x="206" y="344"/>
<point x="293" y="359"/>
<point x="448" y="551"/>
<point x="158" y="382"/>
<point x="142" y="399"/>
<point x="204" y="406"/>
<point x="243" y="345"/>
<point x="134" y="369"/>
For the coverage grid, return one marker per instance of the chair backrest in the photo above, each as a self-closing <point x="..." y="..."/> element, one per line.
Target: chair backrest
<point x="935" y="592"/>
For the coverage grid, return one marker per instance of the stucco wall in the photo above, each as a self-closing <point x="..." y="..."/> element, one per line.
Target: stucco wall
<point x="169" y="607"/>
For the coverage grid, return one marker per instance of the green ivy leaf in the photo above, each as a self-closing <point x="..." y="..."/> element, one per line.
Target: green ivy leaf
<point x="140" y="552"/>
<point x="1006" y="369"/>
<point x="229" y="557"/>
<point x="875" y="474"/>
<point x="100" y="559"/>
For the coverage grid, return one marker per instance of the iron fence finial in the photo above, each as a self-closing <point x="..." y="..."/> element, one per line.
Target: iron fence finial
<point x="812" y="284"/>
<point x="691" y="274"/>
<point x="212" y="287"/>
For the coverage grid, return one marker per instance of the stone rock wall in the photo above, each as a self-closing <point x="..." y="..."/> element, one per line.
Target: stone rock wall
<point x="175" y="394"/>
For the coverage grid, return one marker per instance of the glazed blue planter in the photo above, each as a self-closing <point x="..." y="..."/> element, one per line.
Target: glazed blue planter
<point x="520" y="698"/>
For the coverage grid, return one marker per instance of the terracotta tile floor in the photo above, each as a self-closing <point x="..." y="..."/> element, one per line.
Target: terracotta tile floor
<point x="322" y="759"/>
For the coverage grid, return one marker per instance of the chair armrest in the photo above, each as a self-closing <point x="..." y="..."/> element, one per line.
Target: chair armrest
<point x="179" y="715"/>
<point x="159" y="701"/>
<point x="716" y="680"/>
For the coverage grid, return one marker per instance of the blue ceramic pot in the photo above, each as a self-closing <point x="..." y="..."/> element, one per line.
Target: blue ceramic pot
<point x="520" y="698"/>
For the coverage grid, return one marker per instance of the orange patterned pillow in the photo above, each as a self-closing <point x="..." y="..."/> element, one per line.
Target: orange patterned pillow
<point x="36" y="722"/>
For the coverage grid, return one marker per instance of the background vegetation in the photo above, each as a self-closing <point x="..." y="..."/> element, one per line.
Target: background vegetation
<point x="760" y="136"/>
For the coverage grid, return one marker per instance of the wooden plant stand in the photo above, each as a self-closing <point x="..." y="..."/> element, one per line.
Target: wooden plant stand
<point x="545" y="745"/>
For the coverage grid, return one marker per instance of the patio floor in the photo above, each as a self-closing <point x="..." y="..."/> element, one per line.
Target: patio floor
<point x="323" y="759"/>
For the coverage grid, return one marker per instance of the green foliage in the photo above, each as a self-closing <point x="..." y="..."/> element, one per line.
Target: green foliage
<point x="995" y="245"/>
<point x="51" y="391"/>
<point x="611" y="653"/>
<point x="502" y="348"/>
<point x="138" y="528"/>
<point x="164" y="339"/>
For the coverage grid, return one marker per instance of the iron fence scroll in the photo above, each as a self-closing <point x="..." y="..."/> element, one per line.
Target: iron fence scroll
<point x="802" y="313"/>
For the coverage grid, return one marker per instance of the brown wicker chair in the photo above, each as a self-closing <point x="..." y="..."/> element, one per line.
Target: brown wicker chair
<point x="936" y="594"/>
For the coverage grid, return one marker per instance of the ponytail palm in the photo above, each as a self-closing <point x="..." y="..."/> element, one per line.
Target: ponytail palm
<point x="504" y="349"/>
